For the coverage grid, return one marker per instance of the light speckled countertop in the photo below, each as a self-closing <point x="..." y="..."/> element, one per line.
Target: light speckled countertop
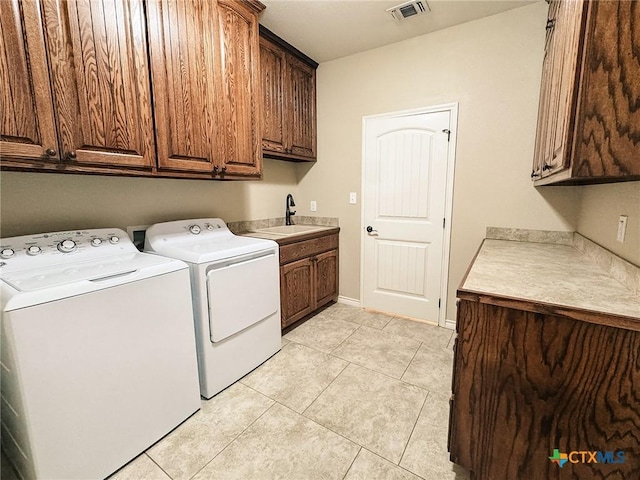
<point x="549" y="273"/>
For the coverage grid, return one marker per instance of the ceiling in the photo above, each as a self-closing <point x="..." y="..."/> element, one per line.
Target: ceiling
<point x="329" y="29"/>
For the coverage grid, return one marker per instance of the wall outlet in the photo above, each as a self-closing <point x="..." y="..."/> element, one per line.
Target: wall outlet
<point x="622" y="228"/>
<point x="353" y="198"/>
<point x="314" y="206"/>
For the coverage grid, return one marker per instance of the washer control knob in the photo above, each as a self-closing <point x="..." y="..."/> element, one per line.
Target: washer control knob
<point x="67" y="246"/>
<point x="34" y="250"/>
<point x="7" y="253"/>
<point x="96" y="242"/>
<point x="114" y="239"/>
<point x="195" y="229"/>
<point x="209" y="226"/>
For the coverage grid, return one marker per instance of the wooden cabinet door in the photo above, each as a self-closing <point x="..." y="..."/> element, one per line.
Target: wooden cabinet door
<point x="26" y="107"/>
<point x="607" y="143"/>
<point x="567" y="31"/>
<point x="326" y="277"/>
<point x="241" y="99"/>
<point x="301" y="125"/>
<point x="183" y="49"/>
<point x="273" y="64"/>
<point x="296" y="290"/>
<point x="544" y="108"/>
<point x="100" y="81"/>
<point x="558" y="89"/>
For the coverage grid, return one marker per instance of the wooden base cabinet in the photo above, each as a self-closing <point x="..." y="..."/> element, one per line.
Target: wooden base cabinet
<point x="588" y="119"/>
<point x="526" y="383"/>
<point x="308" y="275"/>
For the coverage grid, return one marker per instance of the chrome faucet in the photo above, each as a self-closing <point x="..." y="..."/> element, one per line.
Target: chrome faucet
<point x="288" y="212"/>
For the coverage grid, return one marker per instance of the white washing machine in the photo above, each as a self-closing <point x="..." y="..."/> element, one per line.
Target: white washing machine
<point x="236" y="296"/>
<point x="98" y="352"/>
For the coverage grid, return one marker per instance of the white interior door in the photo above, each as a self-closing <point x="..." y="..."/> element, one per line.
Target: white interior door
<point x="404" y="200"/>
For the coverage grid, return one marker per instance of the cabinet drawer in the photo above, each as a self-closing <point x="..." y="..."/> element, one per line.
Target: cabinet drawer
<point x="307" y="248"/>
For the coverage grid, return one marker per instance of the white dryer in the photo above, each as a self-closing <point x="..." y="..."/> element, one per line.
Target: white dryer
<point x="98" y="352"/>
<point x="236" y="296"/>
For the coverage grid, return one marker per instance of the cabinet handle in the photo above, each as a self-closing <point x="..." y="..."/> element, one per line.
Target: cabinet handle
<point x="550" y="24"/>
<point x="51" y="152"/>
<point x="223" y="171"/>
<point x="215" y="170"/>
<point x="546" y="167"/>
<point x="534" y="174"/>
<point x="72" y="155"/>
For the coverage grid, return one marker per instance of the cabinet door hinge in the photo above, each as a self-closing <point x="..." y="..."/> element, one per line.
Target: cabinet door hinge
<point x="444" y="222"/>
<point x="448" y="132"/>
<point x="439" y="302"/>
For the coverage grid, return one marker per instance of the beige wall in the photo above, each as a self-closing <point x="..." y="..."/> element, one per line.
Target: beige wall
<point x="44" y="202"/>
<point x="492" y="68"/>
<point x="600" y="207"/>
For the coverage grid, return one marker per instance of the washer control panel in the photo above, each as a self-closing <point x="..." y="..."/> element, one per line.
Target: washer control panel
<point x="34" y="251"/>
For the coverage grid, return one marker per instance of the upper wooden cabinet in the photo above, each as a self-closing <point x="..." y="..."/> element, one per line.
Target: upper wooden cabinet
<point x="289" y="100"/>
<point x="78" y="78"/>
<point x="26" y="105"/>
<point x="588" y="118"/>
<point x="97" y="77"/>
<point x="204" y="59"/>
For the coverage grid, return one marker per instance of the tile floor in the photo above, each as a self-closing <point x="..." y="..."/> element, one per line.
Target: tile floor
<point x="351" y="395"/>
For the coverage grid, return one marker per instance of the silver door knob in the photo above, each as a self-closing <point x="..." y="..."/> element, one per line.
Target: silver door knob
<point x="370" y="229"/>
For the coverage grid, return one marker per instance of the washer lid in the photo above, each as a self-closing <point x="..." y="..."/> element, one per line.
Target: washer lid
<point x="102" y="270"/>
<point x="201" y="241"/>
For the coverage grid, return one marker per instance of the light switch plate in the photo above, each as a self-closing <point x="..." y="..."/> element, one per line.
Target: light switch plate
<point x="622" y="228"/>
<point x="353" y="198"/>
<point x="314" y="206"/>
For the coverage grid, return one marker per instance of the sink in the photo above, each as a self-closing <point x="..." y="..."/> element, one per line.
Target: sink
<point x="286" y="230"/>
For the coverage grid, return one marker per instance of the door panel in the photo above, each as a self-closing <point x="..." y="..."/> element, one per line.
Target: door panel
<point x="296" y="283"/>
<point x="182" y="39"/>
<point x="97" y="56"/>
<point x="27" y="126"/>
<point x="405" y="173"/>
<point x="402" y="267"/>
<point x="226" y="285"/>
<point x="326" y="272"/>
<point x="302" y="82"/>
<point x="272" y="63"/>
<point x="238" y="28"/>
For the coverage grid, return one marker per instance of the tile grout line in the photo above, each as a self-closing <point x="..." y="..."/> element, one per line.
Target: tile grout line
<point x="411" y="361"/>
<point x="234" y="438"/>
<point x="413" y="430"/>
<point x="325" y="388"/>
<point x="352" y="462"/>
<point x="156" y="464"/>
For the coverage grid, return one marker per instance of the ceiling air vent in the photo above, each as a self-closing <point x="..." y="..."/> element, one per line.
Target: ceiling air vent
<point x="409" y="9"/>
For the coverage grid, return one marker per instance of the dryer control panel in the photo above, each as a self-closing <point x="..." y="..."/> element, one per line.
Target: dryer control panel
<point x="185" y="231"/>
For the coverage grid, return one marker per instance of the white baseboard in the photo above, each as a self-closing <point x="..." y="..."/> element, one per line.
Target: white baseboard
<point x="450" y="324"/>
<point x="354" y="302"/>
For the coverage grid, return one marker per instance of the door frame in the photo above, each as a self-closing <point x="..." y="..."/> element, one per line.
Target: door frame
<point x="452" y="108"/>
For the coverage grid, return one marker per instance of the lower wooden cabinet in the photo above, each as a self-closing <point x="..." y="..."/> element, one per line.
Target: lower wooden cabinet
<point x="308" y="274"/>
<point x="527" y="383"/>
